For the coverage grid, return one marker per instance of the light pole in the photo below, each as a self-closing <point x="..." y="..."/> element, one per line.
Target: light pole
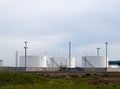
<point x="25" y="52"/>
<point x="16" y="62"/>
<point x="98" y="49"/>
<point x="106" y="43"/>
<point x="69" y="54"/>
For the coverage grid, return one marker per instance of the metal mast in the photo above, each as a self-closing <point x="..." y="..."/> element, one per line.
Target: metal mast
<point x="69" y="54"/>
<point x="106" y="43"/>
<point x="25" y="52"/>
<point x="16" y="61"/>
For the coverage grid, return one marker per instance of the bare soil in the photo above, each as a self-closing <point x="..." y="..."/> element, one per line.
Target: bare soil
<point x="93" y="78"/>
<point x="108" y="78"/>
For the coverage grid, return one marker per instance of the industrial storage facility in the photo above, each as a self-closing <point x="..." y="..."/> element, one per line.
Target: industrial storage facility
<point x="62" y="62"/>
<point x="43" y="63"/>
<point x="33" y="61"/>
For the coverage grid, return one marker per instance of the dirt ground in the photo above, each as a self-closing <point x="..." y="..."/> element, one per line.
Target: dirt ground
<point x="108" y="78"/>
<point x="93" y="78"/>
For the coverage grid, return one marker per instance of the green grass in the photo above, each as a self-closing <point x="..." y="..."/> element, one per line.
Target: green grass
<point x="10" y="80"/>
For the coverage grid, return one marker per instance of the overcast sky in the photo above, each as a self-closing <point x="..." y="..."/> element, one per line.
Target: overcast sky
<point x="48" y="25"/>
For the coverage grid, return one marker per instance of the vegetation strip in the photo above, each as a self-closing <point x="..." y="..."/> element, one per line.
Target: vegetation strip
<point x="12" y="80"/>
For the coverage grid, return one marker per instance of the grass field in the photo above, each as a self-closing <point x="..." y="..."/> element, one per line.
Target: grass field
<point x="11" y="80"/>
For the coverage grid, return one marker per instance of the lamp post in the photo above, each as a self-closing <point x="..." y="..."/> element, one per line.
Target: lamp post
<point x="98" y="49"/>
<point x="25" y="52"/>
<point x="106" y="43"/>
<point x="16" y="61"/>
<point x="69" y="54"/>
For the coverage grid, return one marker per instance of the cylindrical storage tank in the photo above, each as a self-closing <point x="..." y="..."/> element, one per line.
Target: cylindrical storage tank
<point x="62" y="62"/>
<point x="58" y="61"/>
<point x="33" y="61"/>
<point x="43" y="61"/>
<point x="94" y="62"/>
<point x="72" y="63"/>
